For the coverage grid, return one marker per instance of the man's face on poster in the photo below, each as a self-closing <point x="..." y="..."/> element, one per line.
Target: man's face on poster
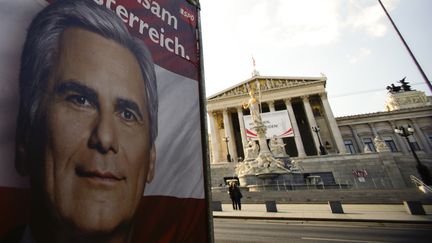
<point x="98" y="154"/>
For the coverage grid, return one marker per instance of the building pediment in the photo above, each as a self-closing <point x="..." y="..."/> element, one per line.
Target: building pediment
<point x="266" y="83"/>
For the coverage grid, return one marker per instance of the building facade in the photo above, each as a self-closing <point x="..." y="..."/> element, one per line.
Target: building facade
<point x="304" y="99"/>
<point x="351" y="143"/>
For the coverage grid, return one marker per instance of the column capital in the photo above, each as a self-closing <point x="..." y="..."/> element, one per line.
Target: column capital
<point x="239" y="109"/>
<point x="288" y="100"/>
<point x="323" y="95"/>
<point x="211" y="113"/>
<point x="305" y="98"/>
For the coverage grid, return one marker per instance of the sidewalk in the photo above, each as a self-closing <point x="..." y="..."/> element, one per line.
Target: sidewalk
<point x="389" y="213"/>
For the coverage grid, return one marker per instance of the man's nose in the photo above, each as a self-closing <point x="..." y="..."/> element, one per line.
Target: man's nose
<point x="104" y="135"/>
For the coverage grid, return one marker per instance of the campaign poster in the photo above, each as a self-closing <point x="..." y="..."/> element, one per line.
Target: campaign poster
<point x="277" y="123"/>
<point x="85" y="143"/>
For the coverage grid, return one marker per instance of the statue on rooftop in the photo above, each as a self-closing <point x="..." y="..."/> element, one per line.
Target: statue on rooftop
<point x="402" y="88"/>
<point x="394" y="89"/>
<point x="405" y="85"/>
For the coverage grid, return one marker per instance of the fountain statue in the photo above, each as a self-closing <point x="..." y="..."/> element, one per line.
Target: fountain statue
<point x="262" y="165"/>
<point x="277" y="147"/>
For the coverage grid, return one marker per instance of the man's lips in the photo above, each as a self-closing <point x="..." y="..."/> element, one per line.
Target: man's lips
<point x="95" y="174"/>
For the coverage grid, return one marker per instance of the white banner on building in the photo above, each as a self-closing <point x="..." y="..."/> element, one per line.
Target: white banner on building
<point x="277" y="123"/>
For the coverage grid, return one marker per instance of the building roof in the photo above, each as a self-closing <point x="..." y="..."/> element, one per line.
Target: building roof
<point x="385" y="115"/>
<point x="267" y="83"/>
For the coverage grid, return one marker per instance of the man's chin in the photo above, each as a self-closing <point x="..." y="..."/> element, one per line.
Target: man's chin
<point x="105" y="227"/>
<point x="94" y="220"/>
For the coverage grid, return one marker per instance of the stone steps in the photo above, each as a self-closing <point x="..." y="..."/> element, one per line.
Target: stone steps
<point x="322" y="196"/>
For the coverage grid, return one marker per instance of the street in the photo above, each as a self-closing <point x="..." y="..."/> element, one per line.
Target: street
<point x="242" y="230"/>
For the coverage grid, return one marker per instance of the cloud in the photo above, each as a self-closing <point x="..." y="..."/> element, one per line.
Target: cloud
<point x="311" y="23"/>
<point x="289" y="31"/>
<point x="369" y="17"/>
<point x="361" y="54"/>
<point x="287" y="23"/>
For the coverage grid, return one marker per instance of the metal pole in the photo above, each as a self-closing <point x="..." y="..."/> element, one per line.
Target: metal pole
<point x="428" y="83"/>
<point x="322" y="149"/>
<point x="204" y="136"/>
<point x="226" y="139"/>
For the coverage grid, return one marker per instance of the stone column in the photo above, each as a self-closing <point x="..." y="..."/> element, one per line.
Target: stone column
<point x="374" y="131"/>
<point x="242" y="127"/>
<point x="271" y="106"/>
<point x="422" y="139"/>
<point x="333" y="125"/>
<point x="272" y="109"/>
<point x="360" y="145"/>
<point x="401" y="141"/>
<point x="296" y="131"/>
<point x="228" y="133"/>
<point x="311" y="120"/>
<point x="233" y="140"/>
<point x="214" y="140"/>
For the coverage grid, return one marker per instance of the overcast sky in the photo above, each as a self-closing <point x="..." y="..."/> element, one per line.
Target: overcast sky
<point x="351" y="41"/>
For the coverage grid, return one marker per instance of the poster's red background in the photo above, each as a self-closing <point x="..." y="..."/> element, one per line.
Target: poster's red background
<point x="159" y="218"/>
<point x="185" y="32"/>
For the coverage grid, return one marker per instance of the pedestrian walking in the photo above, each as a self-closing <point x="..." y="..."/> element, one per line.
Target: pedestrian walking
<point x="235" y="195"/>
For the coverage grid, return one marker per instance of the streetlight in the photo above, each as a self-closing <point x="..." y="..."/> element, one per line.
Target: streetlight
<point x="321" y="147"/>
<point x="226" y="140"/>
<point x="421" y="168"/>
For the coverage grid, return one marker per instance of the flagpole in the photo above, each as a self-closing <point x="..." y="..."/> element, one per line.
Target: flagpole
<point x="407" y="47"/>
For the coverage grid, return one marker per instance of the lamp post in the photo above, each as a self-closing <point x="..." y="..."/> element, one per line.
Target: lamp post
<point x="226" y="140"/>
<point x="421" y="168"/>
<point x="321" y="147"/>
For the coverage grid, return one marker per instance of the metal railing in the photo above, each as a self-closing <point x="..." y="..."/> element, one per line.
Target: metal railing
<point x="421" y="186"/>
<point x="352" y="183"/>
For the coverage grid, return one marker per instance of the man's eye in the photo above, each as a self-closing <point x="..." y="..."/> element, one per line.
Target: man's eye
<point x="79" y="100"/>
<point x="128" y="115"/>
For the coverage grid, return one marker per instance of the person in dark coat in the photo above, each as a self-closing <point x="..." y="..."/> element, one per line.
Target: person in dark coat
<point x="235" y="195"/>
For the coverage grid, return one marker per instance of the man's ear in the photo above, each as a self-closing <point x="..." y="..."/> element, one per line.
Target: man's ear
<point x="152" y="161"/>
<point x="21" y="162"/>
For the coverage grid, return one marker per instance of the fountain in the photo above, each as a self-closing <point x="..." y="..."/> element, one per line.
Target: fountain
<point x="260" y="169"/>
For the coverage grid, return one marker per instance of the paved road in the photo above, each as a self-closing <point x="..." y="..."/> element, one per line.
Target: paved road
<point x="243" y="230"/>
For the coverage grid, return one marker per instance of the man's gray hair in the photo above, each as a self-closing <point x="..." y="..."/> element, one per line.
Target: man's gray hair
<point x="41" y="49"/>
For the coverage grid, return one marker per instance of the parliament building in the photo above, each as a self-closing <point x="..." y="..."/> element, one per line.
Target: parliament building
<point x="361" y="150"/>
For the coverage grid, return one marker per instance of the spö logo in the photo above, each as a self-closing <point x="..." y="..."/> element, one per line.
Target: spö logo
<point x="186" y="15"/>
